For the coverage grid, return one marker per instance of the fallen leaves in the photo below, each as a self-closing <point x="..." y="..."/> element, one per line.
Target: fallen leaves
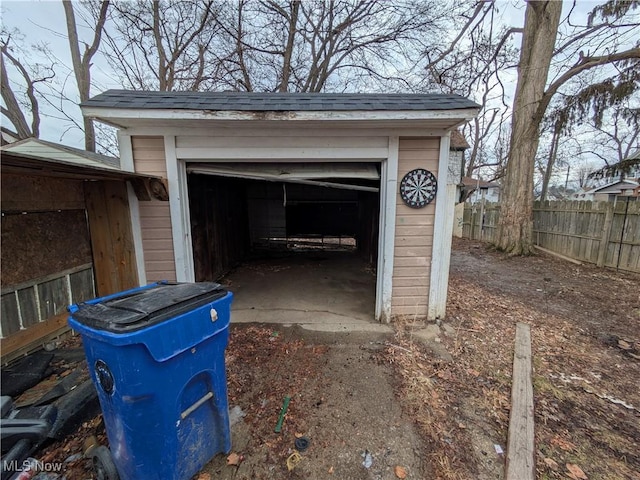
<point x="400" y="472"/>
<point x="234" y="459"/>
<point x="575" y="472"/>
<point x="562" y="443"/>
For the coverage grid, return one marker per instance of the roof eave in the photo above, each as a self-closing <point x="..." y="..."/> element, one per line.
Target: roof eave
<point x="22" y="163"/>
<point x="120" y="117"/>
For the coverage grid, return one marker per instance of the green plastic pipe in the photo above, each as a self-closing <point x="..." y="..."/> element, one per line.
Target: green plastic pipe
<point x="283" y="411"/>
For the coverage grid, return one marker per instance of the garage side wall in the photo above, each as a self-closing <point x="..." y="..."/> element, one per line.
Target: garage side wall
<point x="155" y="217"/>
<point x="414" y="234"/>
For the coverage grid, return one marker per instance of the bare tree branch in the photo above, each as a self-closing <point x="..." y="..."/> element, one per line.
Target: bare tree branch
<point x="82" y="62"/>
<point x="13" y="111"/>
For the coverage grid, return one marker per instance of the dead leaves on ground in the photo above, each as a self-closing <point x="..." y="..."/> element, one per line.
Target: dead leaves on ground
<point x="400" y="472"/>
<point x="483" y="307"/>
<point x="575" y="472"/>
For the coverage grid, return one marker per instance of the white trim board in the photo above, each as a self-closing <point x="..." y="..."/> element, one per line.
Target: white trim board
<point x="442" y="232"/>
<point x="276" y="132"/>
<point x="179" y="208"/>
<point x="114" y="114"/>
<point x="126" y="151"/>
<point x="387" y="229"/>
<point x="282" y="153"/>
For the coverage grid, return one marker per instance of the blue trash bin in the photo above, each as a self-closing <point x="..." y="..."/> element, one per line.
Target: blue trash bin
<point x="156" y="356"/>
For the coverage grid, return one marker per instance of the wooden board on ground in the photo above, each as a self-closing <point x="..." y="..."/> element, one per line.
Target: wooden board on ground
<point x="32" y="338"/>
<point x="520" y="448"/>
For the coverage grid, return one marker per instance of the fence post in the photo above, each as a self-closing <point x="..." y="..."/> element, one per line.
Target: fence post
<point x="606" y="235"/>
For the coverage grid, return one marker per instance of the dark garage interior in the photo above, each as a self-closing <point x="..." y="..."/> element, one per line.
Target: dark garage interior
<point x="263" y="236"/>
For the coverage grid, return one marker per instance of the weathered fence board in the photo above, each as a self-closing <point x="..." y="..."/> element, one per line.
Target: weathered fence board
<point x="592" y="232"/>
<point x="32" y="302"/>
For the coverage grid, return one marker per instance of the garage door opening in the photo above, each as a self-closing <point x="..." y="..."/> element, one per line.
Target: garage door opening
<point x="304" y="246"/>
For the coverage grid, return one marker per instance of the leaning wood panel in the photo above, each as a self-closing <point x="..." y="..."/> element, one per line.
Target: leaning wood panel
<point x="521" y="446"/>
<point x="121" y="235"/>
<point x="111" y="236"/>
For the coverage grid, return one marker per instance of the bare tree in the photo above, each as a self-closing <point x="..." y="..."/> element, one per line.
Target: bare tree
<point x="314" y="46"/>
<point x="160" y="45"/>
<point x="541" y="28"/>
<point x="534" y="94"/>
<point x="472" y="64"/>
<point x="12" y="108"/>
<point x="82" y="62"/>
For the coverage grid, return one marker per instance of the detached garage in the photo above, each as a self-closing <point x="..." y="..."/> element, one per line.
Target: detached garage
<point x="331" y="200"/>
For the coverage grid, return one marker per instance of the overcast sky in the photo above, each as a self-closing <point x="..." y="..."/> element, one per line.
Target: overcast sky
<point x="44" y="21"/>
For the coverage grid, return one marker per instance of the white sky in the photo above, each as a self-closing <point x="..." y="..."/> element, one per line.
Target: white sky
<point x="44" y="21"/>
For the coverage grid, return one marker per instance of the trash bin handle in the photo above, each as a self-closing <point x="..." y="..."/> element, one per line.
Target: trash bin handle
<point x="193" y="407"/>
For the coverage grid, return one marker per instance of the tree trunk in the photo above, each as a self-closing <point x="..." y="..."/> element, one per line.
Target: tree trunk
<point x="516" y="216"/>
<point x="82" y="63"/>
<point x="288" y="51"/>
<point x="553" y="153"/>
<point x="12" y="111"/>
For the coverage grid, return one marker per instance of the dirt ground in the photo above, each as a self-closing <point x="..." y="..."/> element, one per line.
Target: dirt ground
<point x="433" y="401"/>
<point x="342" y="400"/>
<point x="584" y="323"/>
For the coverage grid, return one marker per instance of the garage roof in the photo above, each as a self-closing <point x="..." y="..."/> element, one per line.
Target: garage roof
<point x="132" y="109"/>
<point x="277" y="102"/>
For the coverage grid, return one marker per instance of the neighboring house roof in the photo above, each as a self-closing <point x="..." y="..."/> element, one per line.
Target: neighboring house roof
<point x="7" y="136"/>
<point x="615" y="187"/>
<point x="634" y="156"/>
<point x="475" y="183"/>
<point x="50" y="151"/>
<point x="276" y="102"/>
<point x="33" y="156"/>
<point x="458" y="142"/>
<point x="630" y="166"/>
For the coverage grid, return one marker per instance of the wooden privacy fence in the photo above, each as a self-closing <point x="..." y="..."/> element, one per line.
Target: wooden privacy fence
<point x="594" y="232"/>
<point x="473" y="225"/>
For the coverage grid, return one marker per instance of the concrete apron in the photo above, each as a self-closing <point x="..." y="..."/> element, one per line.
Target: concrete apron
<point x="324" y="291"/>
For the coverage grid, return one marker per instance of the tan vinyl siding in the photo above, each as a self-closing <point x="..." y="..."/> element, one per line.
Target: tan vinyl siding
<point x="155" y="217"/>
<point x="414" y="234"/>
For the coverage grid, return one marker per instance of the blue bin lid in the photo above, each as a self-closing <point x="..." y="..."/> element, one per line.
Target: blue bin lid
<point x="141" y="308"/>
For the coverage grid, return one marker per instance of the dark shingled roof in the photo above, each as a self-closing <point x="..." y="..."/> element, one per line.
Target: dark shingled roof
<point x="276" y="102"/>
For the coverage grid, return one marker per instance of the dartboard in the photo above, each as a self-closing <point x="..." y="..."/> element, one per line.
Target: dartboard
<point x="418" y="188"/>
